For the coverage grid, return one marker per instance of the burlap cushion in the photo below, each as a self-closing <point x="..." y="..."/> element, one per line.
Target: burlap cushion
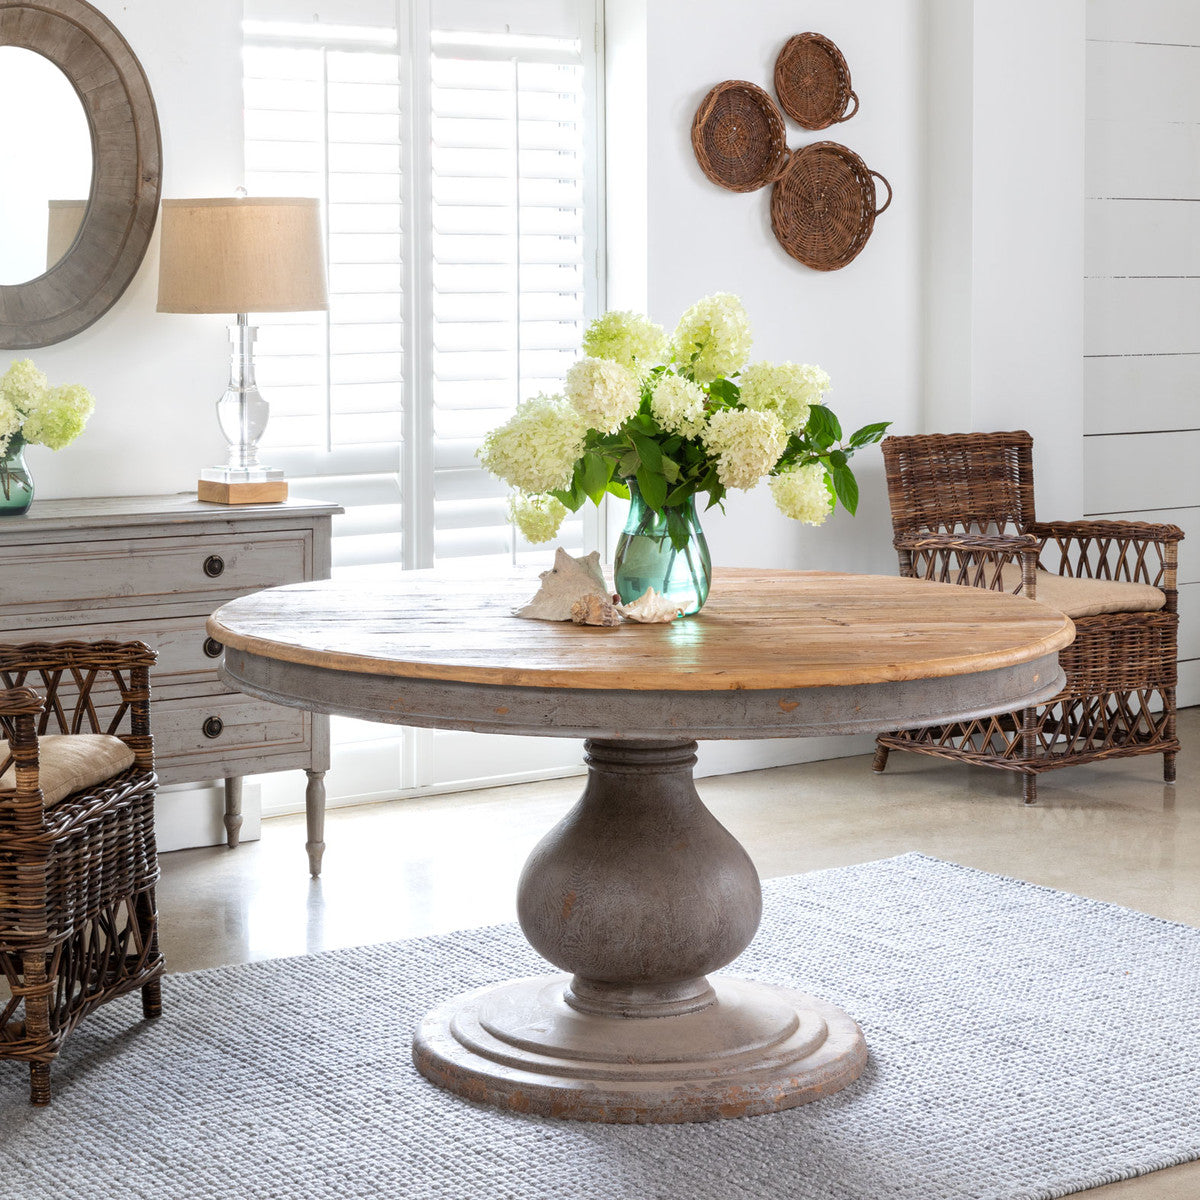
<point x="69" y="763"/>
<point x="1088" y="597"/>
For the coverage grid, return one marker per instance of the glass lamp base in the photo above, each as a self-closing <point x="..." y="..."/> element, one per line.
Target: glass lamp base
<point x="242" y="474"/>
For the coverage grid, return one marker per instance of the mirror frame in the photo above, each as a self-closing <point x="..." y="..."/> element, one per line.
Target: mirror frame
<point x="126" y="171"/>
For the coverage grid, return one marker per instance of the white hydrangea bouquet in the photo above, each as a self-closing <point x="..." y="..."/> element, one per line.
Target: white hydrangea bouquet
<point x="680" y="416"/>
<point x="31" y="411"/>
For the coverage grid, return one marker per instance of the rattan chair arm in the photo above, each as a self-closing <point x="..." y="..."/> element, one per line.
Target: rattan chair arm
<point x="88" y="656"/>
<point x="1132" y="551"/>
<point x="1007" y="543"/>
<point x="19" y="701"/>
<point x="1146" y="531"/>
<point x="969" y="559"/>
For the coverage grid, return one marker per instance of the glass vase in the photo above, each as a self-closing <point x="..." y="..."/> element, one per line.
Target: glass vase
<point x="647" y="558"/>
<point x="16" y="484"/>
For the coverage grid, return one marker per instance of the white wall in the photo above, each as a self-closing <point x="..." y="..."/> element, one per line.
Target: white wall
<point x="157" y="376"/>
<point x="963" y="311"/>
<point x="1004" y="230"/>
<point x="1143" y="280"/>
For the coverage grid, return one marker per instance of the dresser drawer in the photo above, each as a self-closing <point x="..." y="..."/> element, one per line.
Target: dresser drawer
<point x="46" y="576"/>
<point x="185" y="651"/>
<point x="225" y="725"/>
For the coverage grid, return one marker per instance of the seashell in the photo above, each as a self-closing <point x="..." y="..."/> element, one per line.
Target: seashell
<point x="595" y="610"/>
<point x="650" y="608"/>
<point x="567" y="581"/>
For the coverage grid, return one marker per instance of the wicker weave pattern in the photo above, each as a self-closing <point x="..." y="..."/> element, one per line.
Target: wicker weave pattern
<point x="812" y="82"/>
<point x="739" y="137"/>
<point x="78" y="923"/>
<point x="823" y="205"/>
<point x="962" y="507"/>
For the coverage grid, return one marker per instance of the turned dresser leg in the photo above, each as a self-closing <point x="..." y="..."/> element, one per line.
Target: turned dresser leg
<point x="314" y="806"/>
<point x="233" y="810"/>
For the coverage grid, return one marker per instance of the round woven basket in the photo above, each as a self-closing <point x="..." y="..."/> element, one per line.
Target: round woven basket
<point x="739" y="136"/>
<point x="812" y="82"/>
<point x="823" y="205"/>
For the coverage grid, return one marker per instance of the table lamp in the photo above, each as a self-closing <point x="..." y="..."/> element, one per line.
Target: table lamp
<point x="242" y="255"/>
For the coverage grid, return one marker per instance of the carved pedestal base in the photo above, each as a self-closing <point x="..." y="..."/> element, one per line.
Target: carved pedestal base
<point x="639" y="892"/>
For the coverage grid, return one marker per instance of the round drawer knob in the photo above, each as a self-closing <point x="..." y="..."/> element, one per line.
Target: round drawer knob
<point x="213" y="648"/>
<point x="213" y="727"/>
<point x="214" y="564"/>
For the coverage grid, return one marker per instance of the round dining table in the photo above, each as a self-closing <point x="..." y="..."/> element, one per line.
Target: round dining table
<point x="639" y="894"/>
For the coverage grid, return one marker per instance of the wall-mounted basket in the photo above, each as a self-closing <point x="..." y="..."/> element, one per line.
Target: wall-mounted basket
<point x="739" y="136"/>
<point x="823" y="205"/>
<point x="812" y="82"/>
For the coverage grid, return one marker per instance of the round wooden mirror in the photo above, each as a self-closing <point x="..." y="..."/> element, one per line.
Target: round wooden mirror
<point x="126" y="176"/>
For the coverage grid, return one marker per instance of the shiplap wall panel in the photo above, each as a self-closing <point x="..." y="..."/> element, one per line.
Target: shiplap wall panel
<point x="1142" y="316"/>
<point x="1189" y="620"/>
<point x="1175" y="21"/>
<point x="1142" y="237"/>
<point x="1142" y="158"/>
<point x="1118" y="387"/>
<point x="1139" y="473"/>
<point x="1142" y="82"/>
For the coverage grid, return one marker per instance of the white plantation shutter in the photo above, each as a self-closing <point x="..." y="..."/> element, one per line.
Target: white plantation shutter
<point x="454" y="144"/>
<point x="511" y="248"/>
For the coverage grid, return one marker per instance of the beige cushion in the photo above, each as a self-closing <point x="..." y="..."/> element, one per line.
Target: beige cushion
<point x="69" y="763"/>
<point x="1087" y="597"/>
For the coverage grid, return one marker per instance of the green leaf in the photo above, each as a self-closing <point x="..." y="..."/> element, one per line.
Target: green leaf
<point x="846" y="487"/>
<point x="653" y="488"/>
<point x="869" y="433"/>
<point x="725" y="390"/>
<point x="677" y="528"/>
<point x="670" y="470"/>
<point x="680" y="494"/>
<point x="648" y="451"/>
<point x="837" y="458"/>
<point x="618" y="489"/>
<point x="628" y="464"/>
<point x="595" y="476"/>
<point x="823" y="428"/>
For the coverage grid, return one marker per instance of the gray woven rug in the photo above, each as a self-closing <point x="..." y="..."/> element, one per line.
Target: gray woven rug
<point x="1024" y="1043"/>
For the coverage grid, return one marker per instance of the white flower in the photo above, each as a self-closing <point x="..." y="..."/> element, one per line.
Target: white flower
<point x="748" y="444"/>
<point x="677" y="404"/>
<point x="10" y="421"/>
<point x="23" y="384"/>
<point x="57" y="416"/>
<point x="537" y="517"/>
<point x="786" y="389"/>
<point x="803" y="494"/>
<point x="712" y="339"/>
<point x="628" y="338"/>
<point x="604" y="393"/>
<point x="535" y="449"/>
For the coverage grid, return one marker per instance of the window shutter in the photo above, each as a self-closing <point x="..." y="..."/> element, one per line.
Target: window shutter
<point x="509" y="249"/>
<point x="323" y="118"/>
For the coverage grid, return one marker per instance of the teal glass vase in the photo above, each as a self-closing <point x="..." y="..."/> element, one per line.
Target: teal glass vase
<point x="16" y="484"/>
<point x="647" y="558"/>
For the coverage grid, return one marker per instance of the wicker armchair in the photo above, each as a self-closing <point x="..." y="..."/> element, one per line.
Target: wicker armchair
<point x="78" y="866"/>
<point x="962" y="512"/>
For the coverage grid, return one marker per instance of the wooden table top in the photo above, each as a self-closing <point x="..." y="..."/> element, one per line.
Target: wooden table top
<point x="759" y="630"/>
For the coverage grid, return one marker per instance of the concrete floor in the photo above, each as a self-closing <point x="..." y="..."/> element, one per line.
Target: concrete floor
<point x="1112" y="831"/>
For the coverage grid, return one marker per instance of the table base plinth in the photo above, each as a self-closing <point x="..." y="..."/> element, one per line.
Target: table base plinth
<point x="757" y="1049"/>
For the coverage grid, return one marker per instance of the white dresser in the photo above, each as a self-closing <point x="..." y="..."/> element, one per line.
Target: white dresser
<point x="152" y="568"/>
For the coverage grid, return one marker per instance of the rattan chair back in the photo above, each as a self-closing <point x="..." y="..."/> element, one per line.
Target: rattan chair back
<point x="960" y="482"/>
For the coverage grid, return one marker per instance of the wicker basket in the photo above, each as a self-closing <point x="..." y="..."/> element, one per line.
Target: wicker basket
<point x="739" y="137"/>
<point x="823" y="205"/>
<point x="812" y="82"/>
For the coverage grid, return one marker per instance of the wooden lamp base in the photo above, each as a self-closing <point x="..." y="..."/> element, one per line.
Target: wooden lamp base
<point x="267" y="491"/>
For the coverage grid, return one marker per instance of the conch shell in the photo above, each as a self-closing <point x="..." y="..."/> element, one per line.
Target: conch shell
<point x="595" y="610"/>
<point x="650" y="608"/>
<point x="570" y="579"/>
